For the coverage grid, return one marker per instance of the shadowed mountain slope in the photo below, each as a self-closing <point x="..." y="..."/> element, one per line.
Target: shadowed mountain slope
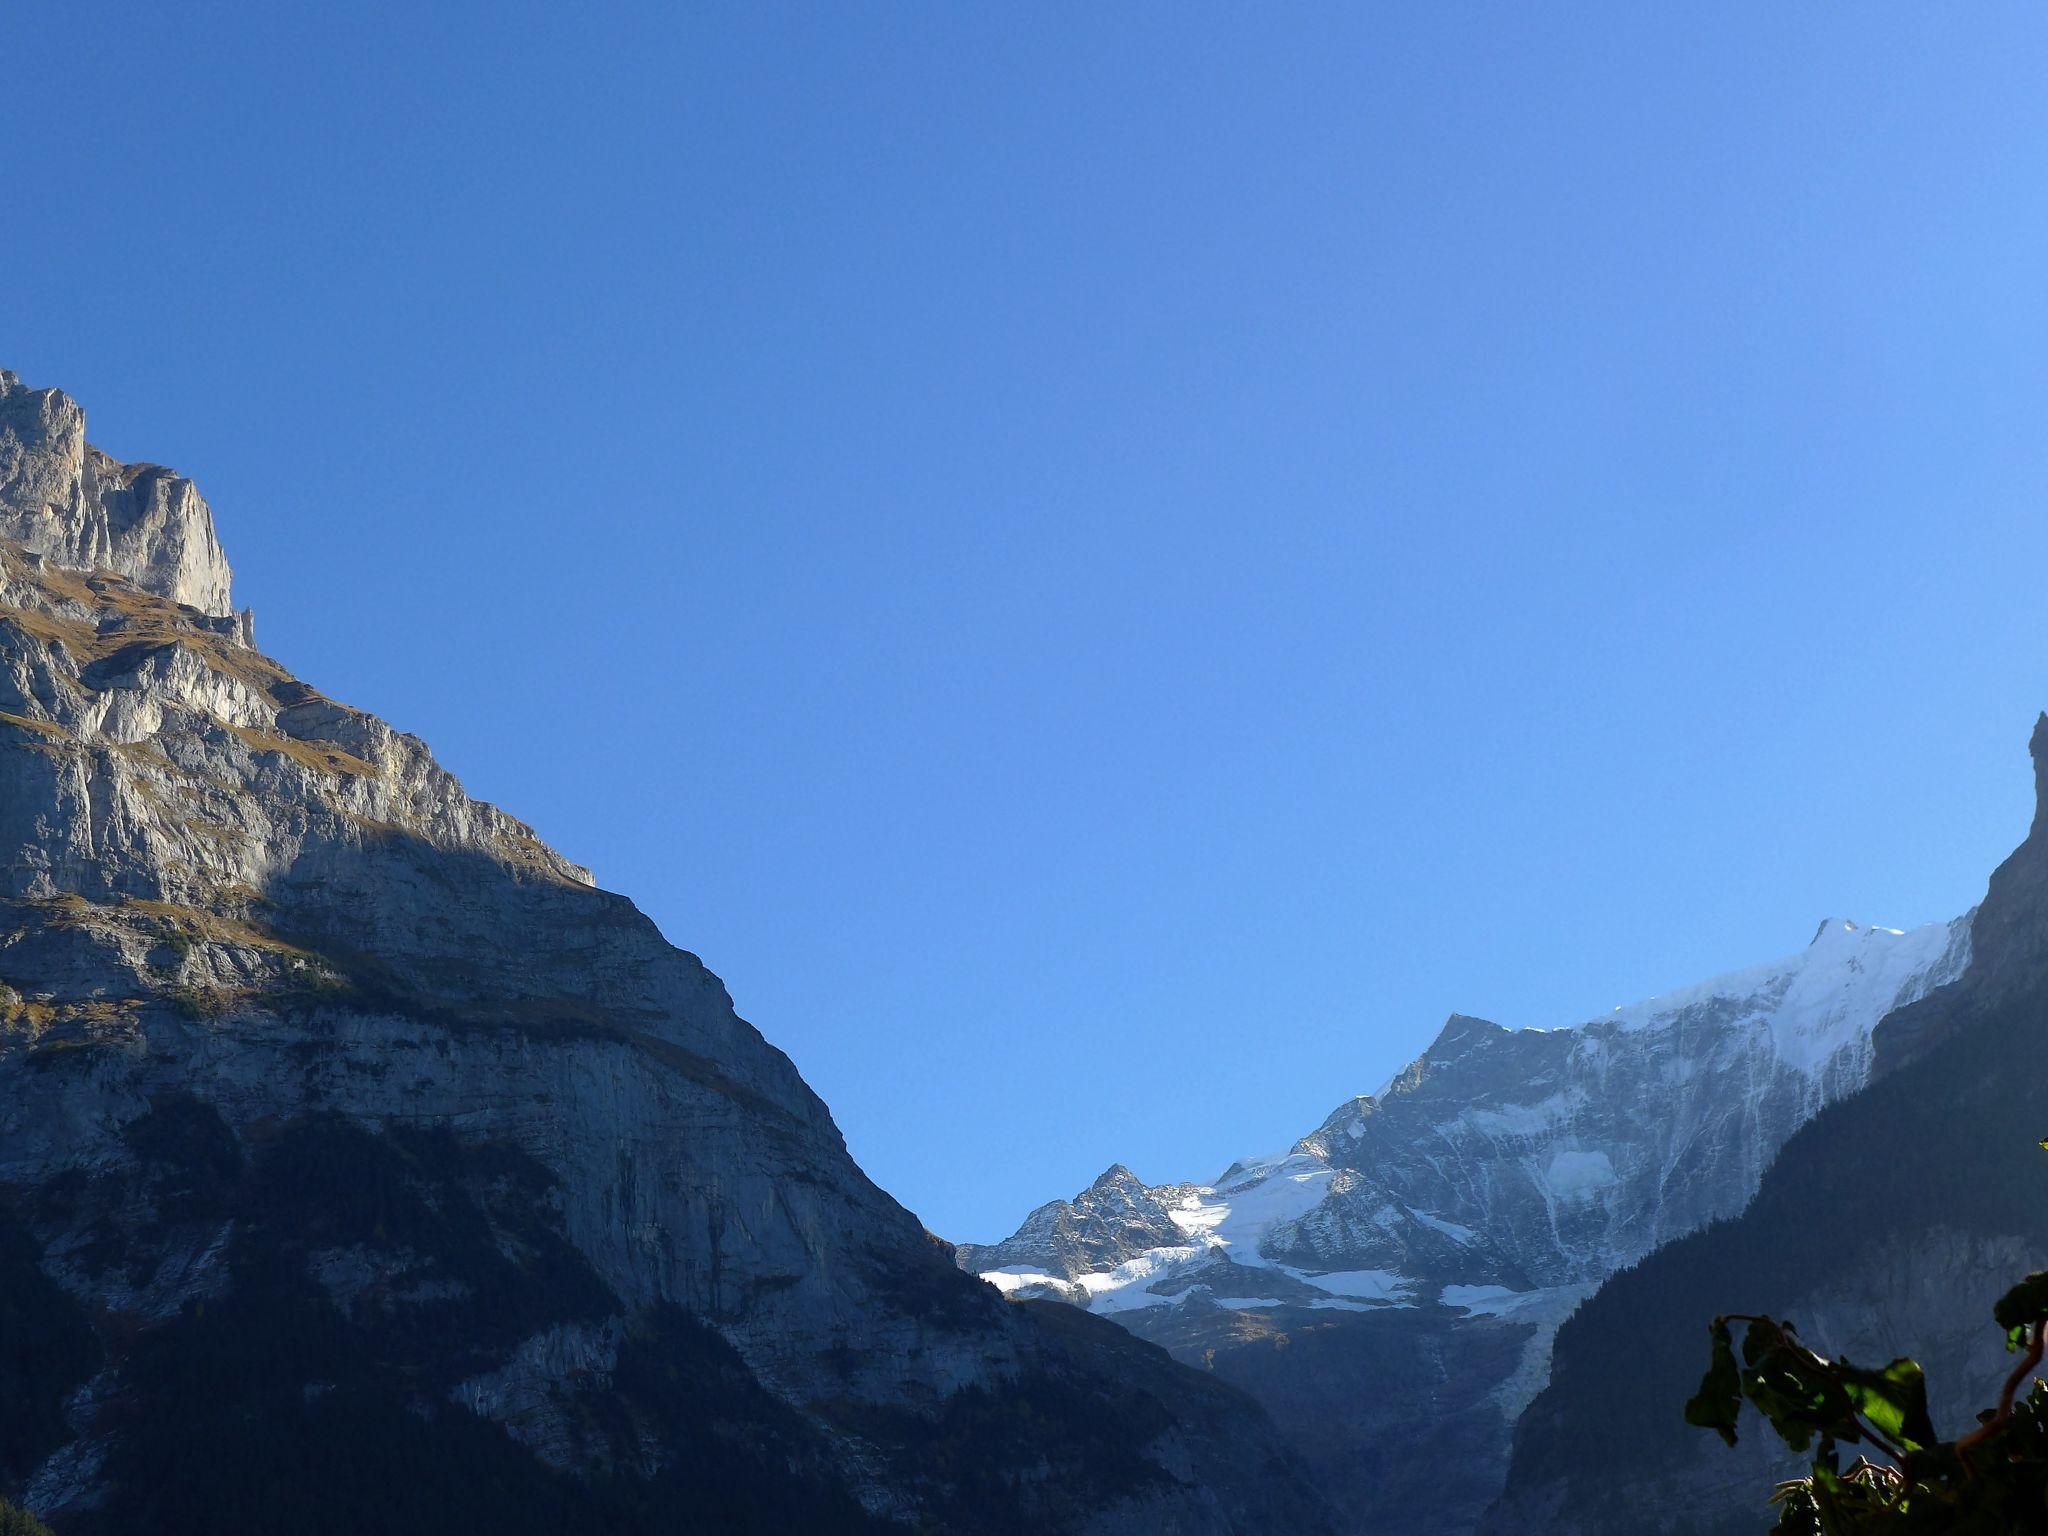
<point x="364" y="1167"/>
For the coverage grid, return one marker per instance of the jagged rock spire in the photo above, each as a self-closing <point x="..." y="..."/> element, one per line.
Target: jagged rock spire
<point x="65" y="500"/>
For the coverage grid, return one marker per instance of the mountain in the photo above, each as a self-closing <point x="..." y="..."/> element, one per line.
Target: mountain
<point x="1887" y="1226"/>
<point x="1389" y="1287"/>
<point x="364" y="1166"/>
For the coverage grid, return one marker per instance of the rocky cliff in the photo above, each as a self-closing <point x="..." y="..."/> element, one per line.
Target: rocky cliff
<point x="1887" y="1226"/>
<point x="364" y="1166"/>
<point x="1390" y="1286"/>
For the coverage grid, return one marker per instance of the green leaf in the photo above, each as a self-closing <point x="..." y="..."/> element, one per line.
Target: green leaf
<point x="1719" y="1400"/>
<point x="1798" y="1514"/>
<point x="2023" y="1306"/>
<point x="1991" y="1483"/>
<point x="1795" y="1389"/>
<point x="1893" y="1400"/>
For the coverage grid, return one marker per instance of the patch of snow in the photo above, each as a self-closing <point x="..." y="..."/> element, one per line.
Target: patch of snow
<point x="1449" y="1229"/>
<point x="1545" y="1309"/>
<point x="1326" y="1303"/>
<point x="1579" y="1175"/>
<point x="1267" y="1192"/>
<point x="1381" y="1285"/>
<point x="1829" y="995"/>
<point x="1130" y="1284"/>
<point x="1492" y="1300"/>
<point x="1505" y="1121"/>
<point x="1017" y="1277"/>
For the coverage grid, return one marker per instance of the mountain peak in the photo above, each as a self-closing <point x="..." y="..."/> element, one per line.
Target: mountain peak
<point x="66" y="501"/>
<point x="241" y="916"/>
<point x="1461" y="1027"/>
<point x="2037" y="746"/>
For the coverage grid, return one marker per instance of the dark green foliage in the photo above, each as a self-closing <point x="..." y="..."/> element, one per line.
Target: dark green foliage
<point x="364" y="1454"/>
<point x="1806" y="1397"/>
<point x="190" y="1159"/>
<point x="933" y="1291"/>
<point x="1893" y="1401"/>
<point x="273" y="1410"/>
<point x="742" y="1459"/>
<point x="1908" y="1482"/>
<point x="1719" y="1400"/>
<point x="46" y="1349"/>
<point x="285" y="1403"/>
<point x="16" y="1521"/>
<point x="1086" y="1441"/>
<point x="186" y="1136"/>
<point x="2017" y="1308"/>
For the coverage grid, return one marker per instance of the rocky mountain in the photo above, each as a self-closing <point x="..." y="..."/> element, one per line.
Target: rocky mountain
<point x="364" y="1166"/>
<point x="1887" y="1226"/>
<point x="1389" y="1287"/>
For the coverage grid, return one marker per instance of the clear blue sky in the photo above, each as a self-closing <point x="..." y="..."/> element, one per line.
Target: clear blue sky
<point x="1107" y="567"/>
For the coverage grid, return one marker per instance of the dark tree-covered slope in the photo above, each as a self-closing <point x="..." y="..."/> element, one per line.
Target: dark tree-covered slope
<point x="1888" y="1226"/>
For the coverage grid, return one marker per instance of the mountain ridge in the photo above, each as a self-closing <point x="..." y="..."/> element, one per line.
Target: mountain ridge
<point x="352" y="1140"/>
<point x="1434" y="1236"/>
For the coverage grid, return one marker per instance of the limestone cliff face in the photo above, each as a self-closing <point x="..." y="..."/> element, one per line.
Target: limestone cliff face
<point x="304" y="1046"/>
<point x="1887" y="1226"/>
<point x="62" y="498"/>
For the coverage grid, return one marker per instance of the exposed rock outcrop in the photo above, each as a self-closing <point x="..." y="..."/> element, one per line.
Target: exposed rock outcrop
<point x="62" y="498"/>
<point x="357" y="1153"/>
<point x="1114" y="1219"/>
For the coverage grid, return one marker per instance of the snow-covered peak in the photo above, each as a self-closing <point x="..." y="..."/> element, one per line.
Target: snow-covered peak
<point x="1528" y="1159"/>
<point x="1117" y="1177"/>
<point x="1824" y="999"/>
<point x="1112" y="1220"/>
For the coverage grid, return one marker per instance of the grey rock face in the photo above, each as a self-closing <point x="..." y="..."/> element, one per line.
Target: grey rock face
<point x="1113" y="1219"/>
<point x="246" y="929"/>
<point x="62" y="498"/>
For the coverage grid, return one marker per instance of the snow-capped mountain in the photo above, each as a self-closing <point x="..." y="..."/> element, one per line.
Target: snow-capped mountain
<point x="1491" y="1184"/>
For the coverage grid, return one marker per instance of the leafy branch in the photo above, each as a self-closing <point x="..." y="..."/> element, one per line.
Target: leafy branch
<point x="1992" y="1481"/>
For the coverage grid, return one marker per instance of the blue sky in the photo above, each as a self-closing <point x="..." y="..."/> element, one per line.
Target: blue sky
<point x="1108" y="570"/>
